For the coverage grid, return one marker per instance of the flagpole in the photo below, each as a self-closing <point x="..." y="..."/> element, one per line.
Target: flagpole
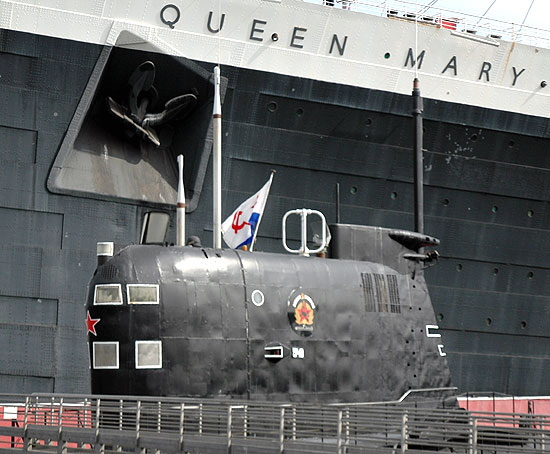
<point x="217" y="161"/>
<point x="261" y="216"/>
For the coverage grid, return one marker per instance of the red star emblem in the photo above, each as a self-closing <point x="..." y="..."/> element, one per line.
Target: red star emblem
<point x="303" y="314"/>
<point x="90" y="323"/>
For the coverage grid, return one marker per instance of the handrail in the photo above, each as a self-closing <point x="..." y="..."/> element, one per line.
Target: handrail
<point x="138" y="423"/>
<point x="465" y="22"/>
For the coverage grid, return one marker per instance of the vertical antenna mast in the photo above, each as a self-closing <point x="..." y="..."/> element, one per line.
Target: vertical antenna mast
<point x="217" y="160"/>
<point x="418" y="165"/>
<point x="180" y="206"/>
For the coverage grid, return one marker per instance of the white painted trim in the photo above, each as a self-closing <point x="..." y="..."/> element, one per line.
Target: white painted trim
<point x="116" y="344"/>
<point x="130" y="286"/>
<point x="108" y="303"/>
<point x="156" y="366"/>
<point x="362" y="65"/>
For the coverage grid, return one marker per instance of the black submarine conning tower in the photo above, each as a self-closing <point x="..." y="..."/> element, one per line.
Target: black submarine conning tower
<point x="418" y="170"/>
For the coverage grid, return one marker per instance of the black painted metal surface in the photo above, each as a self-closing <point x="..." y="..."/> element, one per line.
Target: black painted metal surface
<point x="345" y="330"/>
<point x="486" y="197"/>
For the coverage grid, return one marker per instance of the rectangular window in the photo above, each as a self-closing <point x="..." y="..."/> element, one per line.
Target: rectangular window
<point x="108" y="294"/>
<point x="105" y="355"/>
<point x="143" y="293"/>
<point x="148" y="354"/>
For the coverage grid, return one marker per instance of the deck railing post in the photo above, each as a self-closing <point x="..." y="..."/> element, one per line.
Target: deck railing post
<point x="138" y="425"/>
<point x="182" y="422"/>
<point x="472" y="438"/>
<point x="120" y="414"/>
<point x="200" y="419"/>
<point x="339" y="433"/>
<point x="245" y="422"/>
<point x="27" y="446"/>
<point x="347" y="426"/>
<point x="99" y="448"/>
<point x="61" y="446"/>
<point x="404" y="432"/>
<point x="293" y="422"/>
<point x="229" y="423"/>
<point x="282" y="431"/>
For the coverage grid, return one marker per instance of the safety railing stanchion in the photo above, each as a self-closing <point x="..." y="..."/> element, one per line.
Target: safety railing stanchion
<point x="26" y="441"/>
<point x="61" y="446"/>
<point x="339" y="433"/>
<point x="99" y="448"/>
<point x="282" y="431"/>
<point x="404" y="432"/>
<point x="472" y="438"/>
<point x="229" y="422"/>
<point x="182" y="422"/>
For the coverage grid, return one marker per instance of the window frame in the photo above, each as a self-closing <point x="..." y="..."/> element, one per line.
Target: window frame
<point x="128" y="286"/>
<point x="116" y="344"/>
<point x="109" y="303"/>
<point x="142" y="342"/>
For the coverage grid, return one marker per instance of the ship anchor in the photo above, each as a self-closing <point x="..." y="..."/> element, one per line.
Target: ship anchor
<point x="142" y="94"/>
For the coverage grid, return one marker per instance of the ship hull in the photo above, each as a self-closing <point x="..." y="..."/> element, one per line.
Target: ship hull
<point x="486" y="197"/>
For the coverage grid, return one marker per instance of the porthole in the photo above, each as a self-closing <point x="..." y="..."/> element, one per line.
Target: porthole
<point x="393" y="195"/>
<point x="530" y="275"/>
<point x="530" y="213"/>
<point x="446" y="202"/>
<point x="387" y="55"/>
<point x="495" y="271"/>
<point x="353" y="190"/>
<point x="523" y="324"/>
<point x="299" y="111"/>
<point x="272" y="106"/>
<point x="494" y="208"/>
<point x="459" y="267"/>
<point x="488" y="321"/>
<point x="257" y="298"/>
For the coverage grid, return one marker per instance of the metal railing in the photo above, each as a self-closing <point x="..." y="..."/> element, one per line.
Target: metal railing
<point x="69" y="423"/>
<point x="57" y="423"/>
<point x="456" y="20"/>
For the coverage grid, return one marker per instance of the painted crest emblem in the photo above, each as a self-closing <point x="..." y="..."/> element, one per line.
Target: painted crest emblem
<point x="301" y="314"/>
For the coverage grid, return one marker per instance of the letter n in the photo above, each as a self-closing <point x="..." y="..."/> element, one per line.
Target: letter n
<point x="341" y="47"/>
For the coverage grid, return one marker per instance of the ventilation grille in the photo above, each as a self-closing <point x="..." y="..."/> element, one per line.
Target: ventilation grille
<point x="381" y="293"/>
<point x="108" y="272"/>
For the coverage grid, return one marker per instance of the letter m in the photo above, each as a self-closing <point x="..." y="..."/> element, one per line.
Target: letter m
<point x="410" y="58"/>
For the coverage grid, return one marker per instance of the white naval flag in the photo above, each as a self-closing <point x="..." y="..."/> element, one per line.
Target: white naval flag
<point x="241" y="227"/>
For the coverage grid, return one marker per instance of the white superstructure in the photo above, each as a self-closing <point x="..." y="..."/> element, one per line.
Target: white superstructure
<point x="302" y="39"/>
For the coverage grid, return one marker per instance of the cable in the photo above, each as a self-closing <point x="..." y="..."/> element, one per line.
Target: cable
<point x="527" y="13"/>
